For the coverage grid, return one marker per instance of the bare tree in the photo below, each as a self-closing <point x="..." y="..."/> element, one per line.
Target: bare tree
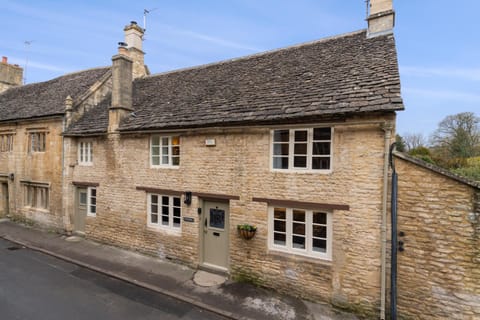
<point x="414" y="140"/>
<point x="459" y="135"/>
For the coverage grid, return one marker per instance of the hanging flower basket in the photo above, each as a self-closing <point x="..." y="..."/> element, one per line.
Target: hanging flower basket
<point x="246" y="231"/>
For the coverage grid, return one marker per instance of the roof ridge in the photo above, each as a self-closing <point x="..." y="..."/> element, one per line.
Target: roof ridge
<point x="255" y="55"/>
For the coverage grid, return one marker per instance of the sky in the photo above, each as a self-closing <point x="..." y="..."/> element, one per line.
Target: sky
<point x="438" y="41"/>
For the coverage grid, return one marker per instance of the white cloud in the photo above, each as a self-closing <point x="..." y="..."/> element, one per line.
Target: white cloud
<point x="471" y="74"/>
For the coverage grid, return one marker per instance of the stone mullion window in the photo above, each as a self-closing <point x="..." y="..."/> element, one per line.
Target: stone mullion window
<point x="36" y="196"/>
<point x="37" y="141"/>
<point x="6" y="142"/>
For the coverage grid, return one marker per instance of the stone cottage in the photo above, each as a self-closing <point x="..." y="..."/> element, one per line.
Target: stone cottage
<point x="293" y="141"/>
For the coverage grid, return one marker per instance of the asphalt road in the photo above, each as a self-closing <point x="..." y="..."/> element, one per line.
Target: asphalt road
<point x="37" y="286"/>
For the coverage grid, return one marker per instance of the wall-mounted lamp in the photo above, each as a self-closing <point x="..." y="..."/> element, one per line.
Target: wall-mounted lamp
<point x="187" y="198"/>
<point x="11" y="176"/>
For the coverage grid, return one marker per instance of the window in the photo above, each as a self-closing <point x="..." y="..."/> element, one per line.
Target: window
<point x="36" y="196"/>
<point x="164" y="211"/>
<point x="92" y="202"/>
<point x="165" y="151"/>
<point x="37" y="142"/>
<point x="85" y="153"/>
<point x="6" y="142"/>
<point x="302" y="149"/>
<point x="303" y="232"/>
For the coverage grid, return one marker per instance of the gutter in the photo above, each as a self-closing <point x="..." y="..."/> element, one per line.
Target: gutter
<point x="387" y="127"/>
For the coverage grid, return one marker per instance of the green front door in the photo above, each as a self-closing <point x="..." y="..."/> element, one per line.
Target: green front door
<point x="81" y="210"/>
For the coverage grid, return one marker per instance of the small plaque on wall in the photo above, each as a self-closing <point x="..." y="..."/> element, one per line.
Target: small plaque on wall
<point x="188" y="219"/>
<point x="210" y="142"/>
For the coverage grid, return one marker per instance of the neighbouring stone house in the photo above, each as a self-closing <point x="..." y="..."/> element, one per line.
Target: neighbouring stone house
<point x="439" y="224"/>
<point x="294" y="141"/>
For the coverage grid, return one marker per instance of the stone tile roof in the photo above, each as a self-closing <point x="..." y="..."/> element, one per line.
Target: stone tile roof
<point x="93" y="122"/>
<point x="46" y="98"/>
<point x="347" y="74"/>
<point x="437" y="169"/>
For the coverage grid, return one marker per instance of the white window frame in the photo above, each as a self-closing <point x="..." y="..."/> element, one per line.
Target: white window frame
<point x="171" y="207"/>
<point x="309" y="154"/>
<point x="85" y="152"/>
<point x="169" y="146"/>
<point x="288" y="248"/>
<point x="92" y="196"/>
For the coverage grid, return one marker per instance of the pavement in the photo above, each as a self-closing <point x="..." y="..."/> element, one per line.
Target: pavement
<point x="232" y="300"/>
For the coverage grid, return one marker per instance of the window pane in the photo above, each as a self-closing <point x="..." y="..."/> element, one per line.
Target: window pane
<point x="165" y="201"/>
<point x="320" y="231"/>
<point x="280" y="162"/>
<point x="154" y="218"/>
<point x="165" y="220"/>
<point x="320" y="217"/>
<point x="301" y="135"/>
<point x="164" y="211"/>
<point x="175" y="161"/>
<point x="164" y="141"/>
<point x="83" y="198"/>
<point x="280" y="149"/>
<point x="155" y="151"/>
<point x="300" y="162"/>
<point x="93" y="200"/>
<point x="319" y="245"/>
<point x="176" y="201"/>
<point x="298" y="242"/>
<point x="279" y="226"/>
<point x="175" y="141"/>
<point x="93" y="192"/>
<point x="176" y="212"/>
<point x="176" y="222"/>
<point x="156" y="161"/>
<point x="321" y="148"/>
<point x="300" y="148"/>
<point x="279" y="213"/>
<point x="154" y="208"/>
<point x="322" y="163"/>
<point x="217" y="218"/>
<point x="279" y="239"/>
<point x="322" y="134"/>
<point x="154" y="198"/>
<point x="299" y="229"/>
<point x="165" y="159"/>
<point x="93" y="209"/>
<point x="175" y="151"/>
<point x="280" y="136"/>
<point x="299" y="215"/>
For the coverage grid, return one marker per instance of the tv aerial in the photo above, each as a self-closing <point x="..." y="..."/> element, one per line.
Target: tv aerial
<point x="27" y="44"/>
<point x="145" y="12"/>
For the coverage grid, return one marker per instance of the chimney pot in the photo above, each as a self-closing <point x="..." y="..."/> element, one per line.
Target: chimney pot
<point x="4" y="60"/>
<point x="133" y="22"/>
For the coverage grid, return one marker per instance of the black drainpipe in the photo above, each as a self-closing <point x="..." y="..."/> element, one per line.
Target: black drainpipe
<point x="393" y="271"/>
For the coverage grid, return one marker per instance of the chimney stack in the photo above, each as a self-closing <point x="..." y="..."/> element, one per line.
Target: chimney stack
<point x="381" y="18"/>
<point x="122" y="80"/>
<point x="10" y="75"/>
<point x="134" y="40"/>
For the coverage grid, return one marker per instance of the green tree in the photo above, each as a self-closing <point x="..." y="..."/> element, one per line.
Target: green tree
<point x="399" y="143"/>
<point x="458" y="136"/>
